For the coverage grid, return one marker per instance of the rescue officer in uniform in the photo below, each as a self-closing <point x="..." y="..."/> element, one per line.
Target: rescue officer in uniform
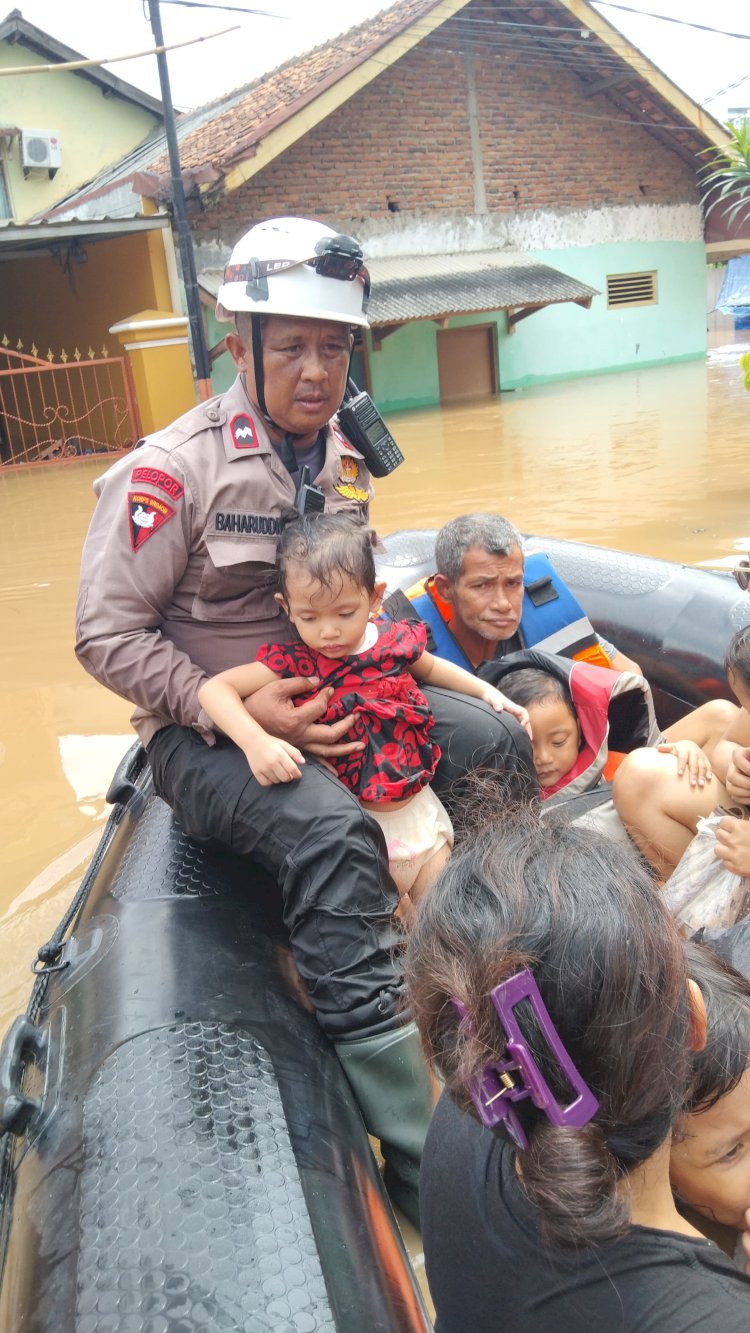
<point x="178" y="583"/>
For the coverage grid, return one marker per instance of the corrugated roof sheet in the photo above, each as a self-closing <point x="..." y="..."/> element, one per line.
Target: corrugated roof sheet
<point x="423" y="287"/>
<point x="431" y="286"/>
<point x="17" y="237"/>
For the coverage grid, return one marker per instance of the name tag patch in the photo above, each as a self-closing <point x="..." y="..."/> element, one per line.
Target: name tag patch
<point x="146" y="515"/>
<point x="242" y="430"/>
<point x="261" y="525"/>
<point x="152" y="476"/>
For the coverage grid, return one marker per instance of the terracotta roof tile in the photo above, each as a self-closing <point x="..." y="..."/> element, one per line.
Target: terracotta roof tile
<point x="228" y="133"/>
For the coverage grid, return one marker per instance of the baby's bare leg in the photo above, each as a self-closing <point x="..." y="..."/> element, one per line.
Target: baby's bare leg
<point x="422" y="884"/>
<point x="429" y="873"/>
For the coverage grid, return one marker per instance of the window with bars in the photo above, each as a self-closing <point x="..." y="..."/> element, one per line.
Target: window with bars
<point x="629" y="289"/>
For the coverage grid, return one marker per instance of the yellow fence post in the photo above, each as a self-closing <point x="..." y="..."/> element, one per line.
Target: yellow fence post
<point x="156" y="342"/>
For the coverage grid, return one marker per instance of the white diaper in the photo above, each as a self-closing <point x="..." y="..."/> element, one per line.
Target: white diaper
<point x="413" y="833"/>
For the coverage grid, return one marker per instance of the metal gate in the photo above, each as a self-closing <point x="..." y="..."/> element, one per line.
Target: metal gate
<point x="65" y="409"/>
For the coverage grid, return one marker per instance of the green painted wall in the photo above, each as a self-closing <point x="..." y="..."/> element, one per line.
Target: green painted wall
<point x="404" y="373"/>
<point x="565" y="340"/>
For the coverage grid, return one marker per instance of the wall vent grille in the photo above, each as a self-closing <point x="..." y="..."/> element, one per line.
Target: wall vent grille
<point x="628" y="289"/>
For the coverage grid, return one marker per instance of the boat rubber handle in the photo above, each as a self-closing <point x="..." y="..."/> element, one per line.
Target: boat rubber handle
<point x="122" y="787"/>
<point x="22" y="1040"/>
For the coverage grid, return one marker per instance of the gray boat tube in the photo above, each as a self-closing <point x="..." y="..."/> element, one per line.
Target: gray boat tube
<point x="182" y="1149"/>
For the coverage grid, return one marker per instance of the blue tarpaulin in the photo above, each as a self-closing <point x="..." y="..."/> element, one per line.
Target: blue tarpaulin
<point x="735" y="289"/>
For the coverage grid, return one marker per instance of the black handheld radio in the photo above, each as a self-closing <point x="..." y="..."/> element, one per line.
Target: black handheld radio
<point x="364" y="427"/>
<point x="309" y="499"/>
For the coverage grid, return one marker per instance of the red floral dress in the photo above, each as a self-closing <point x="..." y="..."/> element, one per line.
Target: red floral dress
<point x="391" y="713"/>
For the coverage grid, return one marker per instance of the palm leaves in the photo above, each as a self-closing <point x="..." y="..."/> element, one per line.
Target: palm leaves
<point x="728" y="181"/>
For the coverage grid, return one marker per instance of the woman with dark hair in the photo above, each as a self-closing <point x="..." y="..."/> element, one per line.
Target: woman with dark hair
<point x="710" y="1161"/>
<point x="550" y="988"/>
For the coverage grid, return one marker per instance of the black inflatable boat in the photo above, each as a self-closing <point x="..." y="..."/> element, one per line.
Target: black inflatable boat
<point x="180" y="1148"/>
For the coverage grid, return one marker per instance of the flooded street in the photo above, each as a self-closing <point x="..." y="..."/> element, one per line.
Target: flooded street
<point x="653" y="462"/>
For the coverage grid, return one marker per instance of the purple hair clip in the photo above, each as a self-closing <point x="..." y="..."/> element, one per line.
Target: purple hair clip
<point x="519" y="1076"/>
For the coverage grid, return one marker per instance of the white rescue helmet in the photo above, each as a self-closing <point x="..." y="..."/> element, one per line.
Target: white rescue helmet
<point x="295" y="266"/>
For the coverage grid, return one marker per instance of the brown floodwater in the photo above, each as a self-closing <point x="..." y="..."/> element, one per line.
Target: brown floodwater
<point x="651" y="461"/>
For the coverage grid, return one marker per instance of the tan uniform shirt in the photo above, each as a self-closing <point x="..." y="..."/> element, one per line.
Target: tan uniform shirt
<point x="178" y="576"/>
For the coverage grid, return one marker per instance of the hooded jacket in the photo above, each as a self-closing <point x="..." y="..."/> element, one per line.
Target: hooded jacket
<point x="615" y="712"/>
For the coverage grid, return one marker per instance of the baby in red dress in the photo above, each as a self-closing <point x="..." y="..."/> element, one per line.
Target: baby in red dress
<point x="331" y="595"/>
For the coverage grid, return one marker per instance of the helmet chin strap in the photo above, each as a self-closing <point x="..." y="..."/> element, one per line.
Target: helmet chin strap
<point x="257" y="341"/>
<point x="285" y="450"/>
<point x="289" y="435"/>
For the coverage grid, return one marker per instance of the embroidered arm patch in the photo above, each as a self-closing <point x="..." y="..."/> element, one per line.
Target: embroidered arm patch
<point x="153" y="476"/>
<point x="146" y="515"/>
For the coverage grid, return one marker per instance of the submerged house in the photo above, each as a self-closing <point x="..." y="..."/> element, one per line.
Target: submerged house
<point x="65" y="282"/>
<point x="524" y="181"/>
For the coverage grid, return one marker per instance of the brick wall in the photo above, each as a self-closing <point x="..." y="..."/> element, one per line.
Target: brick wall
<point x="405" y="139"/>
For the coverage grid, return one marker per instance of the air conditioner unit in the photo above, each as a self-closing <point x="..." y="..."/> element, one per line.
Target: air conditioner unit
<point x="40" y="149"/>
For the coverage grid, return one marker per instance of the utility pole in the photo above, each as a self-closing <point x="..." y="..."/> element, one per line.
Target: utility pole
<point x="189" y="276"/>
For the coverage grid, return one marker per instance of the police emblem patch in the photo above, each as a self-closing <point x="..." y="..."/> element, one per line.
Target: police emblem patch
<point x="146" y="515"/>
<point x="243" y="433"/>
<point x="349" y="469"/>
<point x="352" y="492"/>
<point x="348" y="476"/>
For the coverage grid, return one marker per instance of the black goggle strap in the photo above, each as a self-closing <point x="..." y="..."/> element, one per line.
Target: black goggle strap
<point x="256" y="269"/>
<point x="330" y="264"/>
<point x="257" y="340"/>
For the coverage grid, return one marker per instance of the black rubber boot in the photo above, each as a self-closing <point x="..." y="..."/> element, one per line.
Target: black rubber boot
<point x="392" y="1084"/>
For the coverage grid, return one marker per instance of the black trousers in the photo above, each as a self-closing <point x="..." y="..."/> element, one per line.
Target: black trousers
<point x="328" y="856"/>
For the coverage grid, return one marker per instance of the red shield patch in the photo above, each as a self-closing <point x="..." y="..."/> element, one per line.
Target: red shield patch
<point x="243" y="432"/>
<point x="146" y="515"/>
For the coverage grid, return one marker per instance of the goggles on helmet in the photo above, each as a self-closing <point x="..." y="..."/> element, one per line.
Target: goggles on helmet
<point x="338" y="257"/>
